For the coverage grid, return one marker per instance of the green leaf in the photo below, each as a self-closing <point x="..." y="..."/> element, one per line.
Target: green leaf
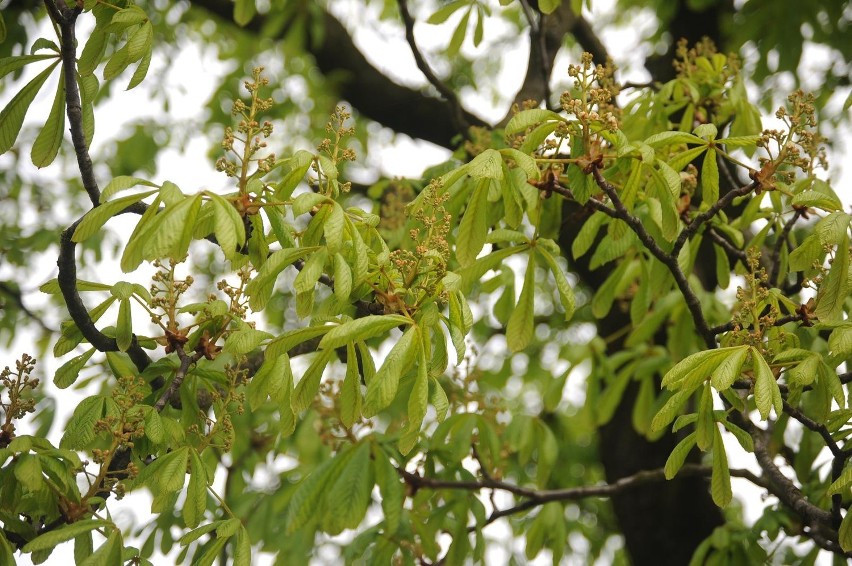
<point x="487" y="165"/>
<point x="292" y="338"/>
<point x="272" y="380"/>
<point x="417" y="404"/>
<point x="309" y="493"/>
<point x="98" y="216"/>
<point x="123" y="327"/>
<point x="362" y="329"/>
<point x="196" y="534"/>
<point x="766" y="392"/>
<point x="64" y="533"/>
<point x="729" y="369"/>
<point x="531" y="117"/>
<point x="678" y="456"/>
<point x="333" y="228"/>
<point x="442" y="14"/>
<point x="350" y="390"/>
<point x="834" y="289"/>
<point x="306" y="201"/>
<point x="244" y="11"/>
<point x="171" y="471"/>
<point x="845" y="533"/>
<point x="140" y="41"/>
<point x="549" y="6"/>
<point x="390" y="488"/>
<point x="108" y="553"/>
<point x="80" y="430"/>
<point x="709" y="178"/>
<point x="720" y="482"/>
<point x="12" y="116"/>
<point x="196" y="492"/>
<point x="28" y="472"/>
<point x="299" y="165"/>
<point x="308" y="386"/>
<point x="12" y="64"/>
<point x="473" y="228"/>
<point x="242" y="548"/>
<point x="46" y="145"/>
<point x="381" y="390"/>
<point x="171" y="230"/>
<point x="259" y="289"/>
<point x="670" y="409"/>
<point x="229" y="228"/>
<point x="70" y="370"/>
<point x="523" y="161"/>
<point x="706" y="424"/>
<point x="841" y="484"/>
<point x="244" y="341"/>
<point x="707" y="131"/>
<point x="663" y="139"/>
<point x="349" y="495"/>
<point x="307" y="278"/>
<point x="566" y="293"/>
<point x="520" y="329"/>
<point x="141" y="71"/>
<point x="458" y="35"/>
<point x="700" y="364"/>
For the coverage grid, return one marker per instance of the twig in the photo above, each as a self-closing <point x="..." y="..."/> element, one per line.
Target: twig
<point x="185" y="362"/>
<point x="457" y="111"/>
<point x="692" y="228"/>
<point x="18" y="299"/>
<point x="725" y="244"/>
<point x="669" y="260"/>
<point x="776" y="249"/>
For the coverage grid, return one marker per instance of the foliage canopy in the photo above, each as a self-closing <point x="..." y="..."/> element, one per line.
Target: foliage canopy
<point x="301" y="355"/>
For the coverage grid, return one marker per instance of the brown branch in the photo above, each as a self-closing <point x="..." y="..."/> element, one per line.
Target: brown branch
<point x="17" y="298"/>
<point x="667" y="259"/>
<point x="776" y="249"/>
<point x="180" y="373"/>
<point x="535" y="498"/>
<point x="367" y="89"/>
<point x="692" y="228"/>
<point x="457" y="109"/>
<point x="723" y="243"/>
<point x="66" y="19"/>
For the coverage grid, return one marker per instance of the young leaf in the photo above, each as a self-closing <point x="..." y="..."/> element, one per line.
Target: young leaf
<point x="834" y="289"/>
<point x="229" y="228"/>
<point x="362" y="329"/>
<point x="46" y="145"/>
<point x="171" y="472"/>
<point x="70" y="370"/>
<point x="709" y="178"/>
<point x="417" y="404"/>
<point x="12" y="116"/>
<point x="80" y="430"/>
<point x="531" y="117"/>
<point x="349" y="495"/>
<point x="244" y="341"/>
<point x="729" y="369"/>
<point x="390" y="488"/>
<point x="566" y="293"/>
<point x="123" y="327"/>
<point x="350" y="390"/>
<point x="108" y="553"/>
<point x="473" y="228"/>
<point x="308" y="386"/>
<point x="520" y="329"/>
<point x="98" y="216"/>
<point x="381" y="390"/>
<point x="766" y="392"/>
<point x="196" y="493"/>
<point x="720" y="482"/>
<point x="706" y="424"/>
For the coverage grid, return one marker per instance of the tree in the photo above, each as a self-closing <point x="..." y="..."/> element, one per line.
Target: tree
<point x="392" y="355"/>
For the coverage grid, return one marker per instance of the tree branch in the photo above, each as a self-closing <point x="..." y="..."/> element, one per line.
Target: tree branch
<point x="776" y="249"/>
<point x="17" y="298"/>
<point x="448" y="94"/>
<point x="66" y="19"/>
<point x="669" y="260"/>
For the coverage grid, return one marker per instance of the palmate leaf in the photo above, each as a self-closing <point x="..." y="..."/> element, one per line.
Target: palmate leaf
<point x="417" y="402"/>
<point x="308" y="386"/>
<point x="70" y="370"/>
<point x="12" y="116"/>
<point x="98" y="216"/>
<point x="767" y="395"/>
<point x="229" y="228"/>
<point x="309" y="494"/>
<point x="720" y="482"/>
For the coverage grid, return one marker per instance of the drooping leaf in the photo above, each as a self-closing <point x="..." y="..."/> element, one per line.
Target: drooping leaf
<point x="362" y="329"/>
<point x="12" y="116"/>
<point x="520" y="329"/>
<point x="46" y="145"/>
<point x="382" y="389"/>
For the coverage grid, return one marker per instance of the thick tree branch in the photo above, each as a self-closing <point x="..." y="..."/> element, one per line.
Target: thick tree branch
<point x="66" y="19"/>
<point x="371" y="92"/>
<point x="457" y="109"/>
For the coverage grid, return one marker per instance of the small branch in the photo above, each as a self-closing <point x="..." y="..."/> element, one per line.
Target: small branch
<point x="459" y="120"/>
<point x="725" y="244"/>
<point x="728" y="326"/>
<point x="776" y="249"/>
<point x="67" y="279"/>
<point x="669" y="260"/>
<point x="66" y="19"/>
<point x="180" y="374"/>
<point x="17" y="298"/>
<point x="692" y="228"/>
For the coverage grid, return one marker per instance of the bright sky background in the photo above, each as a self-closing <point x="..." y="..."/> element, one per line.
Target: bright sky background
<point x="384" y="44"/>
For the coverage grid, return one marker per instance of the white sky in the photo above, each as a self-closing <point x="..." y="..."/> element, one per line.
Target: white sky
<point x="192" y="80"/>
